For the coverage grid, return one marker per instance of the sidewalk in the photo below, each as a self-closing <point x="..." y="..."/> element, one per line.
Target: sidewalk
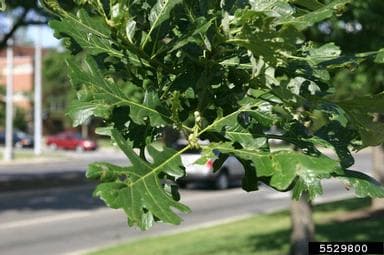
<point x="56" y="170"/>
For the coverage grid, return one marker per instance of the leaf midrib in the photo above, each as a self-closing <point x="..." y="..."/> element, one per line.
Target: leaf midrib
<point x="159" y="167"/>
<point x="242" y="109"/>
<point x="155" y="24"/>
<point x="129" y="102"/>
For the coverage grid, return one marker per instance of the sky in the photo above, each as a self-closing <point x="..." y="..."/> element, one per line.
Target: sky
<point x="47" y="38"/>
<point x="31" y="33"/>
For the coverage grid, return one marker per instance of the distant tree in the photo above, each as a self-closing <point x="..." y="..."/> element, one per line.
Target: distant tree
<point x="359" y="29"/>
<point x="24" y="13"/>
<point x="20" y="121"/>
<point x="20" y="117"/>
<point x="57" y="92"/>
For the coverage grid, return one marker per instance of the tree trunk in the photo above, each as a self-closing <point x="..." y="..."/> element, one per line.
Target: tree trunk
<point x="378" y="172"/>
<point x="85" y="130"/>
<point x="303" y="227"/>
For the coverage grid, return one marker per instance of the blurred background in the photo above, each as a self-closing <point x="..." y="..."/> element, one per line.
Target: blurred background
<point x="46" y="204"/>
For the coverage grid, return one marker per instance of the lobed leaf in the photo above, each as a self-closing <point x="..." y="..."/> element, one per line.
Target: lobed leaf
<point x="360" y="115"/>
<point x="91" y="33"/>
<point x="325" y="52"/>
<point x="159" y="13"/>
<point x="137" y="189"/>
<point x="110" y="94"/>
<point x="284" y="167"/>
<point x="371" y="132"/>
<point x="81" y="112"/>
<point x="364" y="185"/>
<point x="309" y="19"/>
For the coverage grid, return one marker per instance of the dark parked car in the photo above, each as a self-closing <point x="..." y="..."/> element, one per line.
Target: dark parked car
<point x="20" y="139"/>
<point x="70" y="141"/>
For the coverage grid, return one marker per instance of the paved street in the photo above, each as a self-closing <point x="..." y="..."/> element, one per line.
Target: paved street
<point x="64" y="168"/>
<point x="69" y="220"/>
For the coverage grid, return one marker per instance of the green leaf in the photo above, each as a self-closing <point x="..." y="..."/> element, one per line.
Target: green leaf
<point x="234" y="126"/>
<point x="53" y="6"/>
<point x="371" y="132"/>
<point x="364" y="185"/>
<point x="283" y="167"/>
<point x="234" y="131"/>
<point x="274" y="8"/>
<point x="326" y="52"/>
<point x="360" y="112"/>
<point x="380" y="57"/>
<point x="151" y="109"/>
<point x="301" y="86"/>
<point x="104" y="131"/>
<point x="339" y="137"/>
<point x="138" y="189"/>
<point x="309" y="4"/>
<point x="130" y="30"/>
<point x="3" y="6"/>
<point x="370" y="103"/>
<point x="304" y="21"/>
<point x="81" y="112"/>
<point x="105" y="172"/>
<point x="91" y="33"/>
<point x="313" y="190"/>
<point x="250" y="181"/>
<point x="194" y="35"/>
<point x="93" y="79"/>
<point x="160" y="12"/>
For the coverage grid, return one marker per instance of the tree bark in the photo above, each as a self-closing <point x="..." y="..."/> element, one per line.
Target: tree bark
<point x="378" y="172"/>
<point x="85" y="130"/>
<point x="303" y="227"/>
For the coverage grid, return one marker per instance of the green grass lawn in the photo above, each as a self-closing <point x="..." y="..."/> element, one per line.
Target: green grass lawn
<point x="259" y="235"/>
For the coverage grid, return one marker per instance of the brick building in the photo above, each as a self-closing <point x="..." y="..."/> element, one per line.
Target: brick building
<point x="23" y="75"/>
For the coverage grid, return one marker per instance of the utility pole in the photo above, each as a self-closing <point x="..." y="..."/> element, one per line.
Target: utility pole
<point x="8" y="151"/>
<point x="38" y="105"/>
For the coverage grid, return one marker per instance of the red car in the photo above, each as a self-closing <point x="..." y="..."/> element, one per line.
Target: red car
<point x="70" y="141"/>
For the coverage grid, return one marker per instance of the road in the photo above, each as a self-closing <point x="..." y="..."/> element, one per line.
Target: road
<point x="64" y="161"/>
<point x="69" y="220"/>
<point x="65" y="169"/>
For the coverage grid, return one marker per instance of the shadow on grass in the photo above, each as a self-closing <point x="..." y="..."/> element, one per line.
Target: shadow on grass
<point x="369" y="226"/>
<point x="272" y="241"/>
<point x="349" y="205"/>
